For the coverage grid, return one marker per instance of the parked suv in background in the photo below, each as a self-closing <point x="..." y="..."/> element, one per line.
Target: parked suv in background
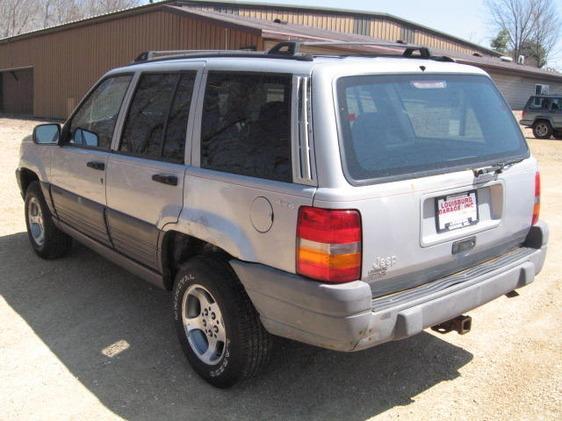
<point x="339" y="201"/>
<point x="544" y="114"/>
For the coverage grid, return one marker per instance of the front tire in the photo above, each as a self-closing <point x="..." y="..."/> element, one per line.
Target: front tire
<point x="217" y="325"/>
<point x="542" y="129"/>
<point x="47" y="240"/>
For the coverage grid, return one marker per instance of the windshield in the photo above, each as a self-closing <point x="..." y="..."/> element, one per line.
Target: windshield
<point x="415" y="124"/>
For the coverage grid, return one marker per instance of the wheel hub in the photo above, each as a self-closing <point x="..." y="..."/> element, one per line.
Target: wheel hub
<point x="203" y="324"/>
<point x="542" y="129"/>
<point x="36" y="223"/>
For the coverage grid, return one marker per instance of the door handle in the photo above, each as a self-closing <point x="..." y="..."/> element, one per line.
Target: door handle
<point x="172" y="180"/>
<point x="96" y="165"/>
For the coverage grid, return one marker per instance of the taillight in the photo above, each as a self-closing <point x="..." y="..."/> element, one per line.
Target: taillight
<point x="537" y="206"/>
<point x="329" y="244"/>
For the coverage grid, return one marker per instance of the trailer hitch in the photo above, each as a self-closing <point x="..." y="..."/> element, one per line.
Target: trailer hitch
<point x="460" y="324"/>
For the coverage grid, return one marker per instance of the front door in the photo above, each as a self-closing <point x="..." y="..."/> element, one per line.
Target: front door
<point x="145" y="174"/>
<point x="79" y="165"/>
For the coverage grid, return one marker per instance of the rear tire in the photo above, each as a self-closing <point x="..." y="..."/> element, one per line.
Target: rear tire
<point x="542" y="129"/>
<point x="47" y="240"/>
<point x="217" y="325"/>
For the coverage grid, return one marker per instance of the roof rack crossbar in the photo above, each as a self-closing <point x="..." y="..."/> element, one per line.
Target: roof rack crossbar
<point x="290" y="48"/>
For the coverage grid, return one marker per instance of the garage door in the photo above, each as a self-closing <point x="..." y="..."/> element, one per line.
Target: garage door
<point x="16" y="91"/>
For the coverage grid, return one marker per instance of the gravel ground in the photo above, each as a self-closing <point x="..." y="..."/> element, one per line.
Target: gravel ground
<point x="81" y="338"/>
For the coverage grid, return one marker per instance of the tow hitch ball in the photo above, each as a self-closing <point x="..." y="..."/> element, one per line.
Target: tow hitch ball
<point x="460" y="324"/>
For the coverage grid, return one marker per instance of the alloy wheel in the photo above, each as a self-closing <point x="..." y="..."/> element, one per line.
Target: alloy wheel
<point x="203" y="324"/>
<point x="36" y="223"/>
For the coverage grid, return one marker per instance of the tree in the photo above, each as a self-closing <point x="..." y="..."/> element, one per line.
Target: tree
<point x="536" y="52"/>
<point x="18" y="16"/>
<point x="15" y="17"/>
<point x="546" y="30"/>
<point x="57" y="12"/>
<point x="500" y="42"/>
<point x="96" y="7"/>
<point x="527" y="23"/>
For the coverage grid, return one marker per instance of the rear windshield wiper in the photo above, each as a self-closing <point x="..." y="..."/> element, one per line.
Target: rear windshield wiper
<point x="496" y="168"/>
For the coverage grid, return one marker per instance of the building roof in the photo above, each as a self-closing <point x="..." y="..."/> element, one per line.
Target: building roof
<point x="495" y="64"/>
<point x="282" y="32"/>
<point x="343" y="11"/>
<point x="286" y="31"/>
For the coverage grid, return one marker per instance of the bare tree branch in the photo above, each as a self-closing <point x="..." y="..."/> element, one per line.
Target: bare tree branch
<point x="15" y="17"/>
<point x="18" y="16"/>
<point x="533" y="26"/>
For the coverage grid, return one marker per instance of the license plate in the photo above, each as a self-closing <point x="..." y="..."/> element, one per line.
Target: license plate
<point x="457" y="211"/>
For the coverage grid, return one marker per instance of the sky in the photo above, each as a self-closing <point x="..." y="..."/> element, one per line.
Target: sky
<point x="465" y="19"/>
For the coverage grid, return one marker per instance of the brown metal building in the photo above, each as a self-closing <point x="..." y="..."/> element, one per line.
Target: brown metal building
<point x="46" y="72"/>
<point x="371" y="24"/>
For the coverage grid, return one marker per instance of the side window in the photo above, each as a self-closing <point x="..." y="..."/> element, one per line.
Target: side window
<point x="156" y="123"/>
<point x="246" y="125"/>
<point x="536" y="103"/>
<point x="93" y="123"/>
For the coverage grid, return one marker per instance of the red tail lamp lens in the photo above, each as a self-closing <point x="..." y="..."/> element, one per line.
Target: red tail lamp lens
<point x="329" y="244"/>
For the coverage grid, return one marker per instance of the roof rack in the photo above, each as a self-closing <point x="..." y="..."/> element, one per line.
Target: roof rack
<point x="293" y="49"/>
<point x="152" y="56"/>
<point x="548" y="95"/>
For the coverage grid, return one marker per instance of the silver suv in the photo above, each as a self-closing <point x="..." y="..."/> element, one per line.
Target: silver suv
<point x="341" y="201"/>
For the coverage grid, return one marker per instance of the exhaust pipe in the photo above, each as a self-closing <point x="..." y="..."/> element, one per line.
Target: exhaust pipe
<point x="460" y="324"/>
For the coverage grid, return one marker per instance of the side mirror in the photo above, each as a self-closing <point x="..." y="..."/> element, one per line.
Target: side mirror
<point x="46" y="134"/>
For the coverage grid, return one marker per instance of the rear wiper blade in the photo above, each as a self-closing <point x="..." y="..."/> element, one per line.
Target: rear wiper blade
<point x="496" y="168"/>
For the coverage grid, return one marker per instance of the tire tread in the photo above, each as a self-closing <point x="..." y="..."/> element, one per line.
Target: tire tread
<point x="253" y="341"/>
<point x="258" y="340"/>
<point x="57" y="243"/>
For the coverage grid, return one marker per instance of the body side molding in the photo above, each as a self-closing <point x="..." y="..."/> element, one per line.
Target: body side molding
<point x="136" y="268"/>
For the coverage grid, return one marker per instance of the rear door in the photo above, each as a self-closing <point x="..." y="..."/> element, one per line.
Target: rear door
<point x="145" y="173"/>
<point x="78" y="172"/>
<point x="556" y="108"/>
<point x="241" y="192"/>
<point x="412" y="147"/>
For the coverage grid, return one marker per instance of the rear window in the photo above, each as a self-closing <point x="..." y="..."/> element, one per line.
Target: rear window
<point x="393" y="126"/>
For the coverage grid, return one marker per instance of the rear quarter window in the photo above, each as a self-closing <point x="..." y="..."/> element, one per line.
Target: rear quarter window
<point x="536" y="103"/>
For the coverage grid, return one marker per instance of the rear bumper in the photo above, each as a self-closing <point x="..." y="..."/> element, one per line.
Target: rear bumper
<point x="345" y="317"/>
<point x="527" y="123"/>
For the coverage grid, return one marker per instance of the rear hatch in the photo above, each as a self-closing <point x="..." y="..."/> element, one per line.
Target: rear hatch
<point x="440" y="171"/>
